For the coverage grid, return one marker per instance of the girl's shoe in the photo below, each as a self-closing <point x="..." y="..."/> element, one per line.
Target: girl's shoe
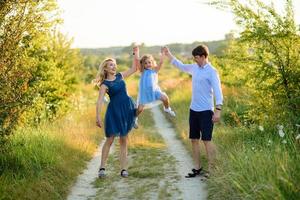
<point x="170" y="112"/>
<point x="124" y="173"/>
<point x="136" y="124"/>
<point x="101" y="173"/>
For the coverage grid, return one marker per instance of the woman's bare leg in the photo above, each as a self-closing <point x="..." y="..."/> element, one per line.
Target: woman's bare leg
<point x="105" y="150"/>
<point x="123" y="152"/>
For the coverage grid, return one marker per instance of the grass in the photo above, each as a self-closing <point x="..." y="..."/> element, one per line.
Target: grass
<point x="43" y="162"/>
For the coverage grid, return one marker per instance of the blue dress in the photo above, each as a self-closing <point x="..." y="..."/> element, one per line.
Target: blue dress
<point x="121" y="110"/>
<point x="149" y="91"/>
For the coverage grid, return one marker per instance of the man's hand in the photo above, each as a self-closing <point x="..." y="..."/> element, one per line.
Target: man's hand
<point x="166" y="51"/>
<point x="216" y="116"/>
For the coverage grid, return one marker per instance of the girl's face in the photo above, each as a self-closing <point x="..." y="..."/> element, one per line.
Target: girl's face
<point x="148" y="63"/>
<point x="111" y="67"/>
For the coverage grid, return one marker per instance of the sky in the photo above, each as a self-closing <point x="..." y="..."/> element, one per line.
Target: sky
<point x="107" y="23"/>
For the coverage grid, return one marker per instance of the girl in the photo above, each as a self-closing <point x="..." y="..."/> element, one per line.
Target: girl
<point x="121" y="110"/>
<point x="149" y="91"/>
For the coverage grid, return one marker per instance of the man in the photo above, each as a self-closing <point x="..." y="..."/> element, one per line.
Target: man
<point x="203" y="114"/>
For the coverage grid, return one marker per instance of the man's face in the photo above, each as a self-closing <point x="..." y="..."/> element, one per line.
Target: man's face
<point x="199" y="59"/>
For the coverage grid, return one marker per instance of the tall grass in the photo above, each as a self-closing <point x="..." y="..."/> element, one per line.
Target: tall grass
<point x="255" y="165"/>
<point x="42" y="162"/>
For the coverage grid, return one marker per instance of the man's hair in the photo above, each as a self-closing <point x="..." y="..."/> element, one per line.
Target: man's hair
<point x="201" y="50"/>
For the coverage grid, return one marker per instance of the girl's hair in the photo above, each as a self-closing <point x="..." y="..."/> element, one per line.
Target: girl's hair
<point x="143" y="61"/>
<point x="101" y="75"/>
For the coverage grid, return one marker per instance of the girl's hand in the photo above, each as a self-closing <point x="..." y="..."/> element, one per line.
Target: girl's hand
<point x="136" y="52"/>
<point x="162" y="56"/>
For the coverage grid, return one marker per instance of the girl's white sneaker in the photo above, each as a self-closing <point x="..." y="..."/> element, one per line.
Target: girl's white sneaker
<point x="170" y="112"/>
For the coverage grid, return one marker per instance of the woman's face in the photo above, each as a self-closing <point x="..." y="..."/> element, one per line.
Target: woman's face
<point x="148" y="63"/>
<point x="111" y="67"/>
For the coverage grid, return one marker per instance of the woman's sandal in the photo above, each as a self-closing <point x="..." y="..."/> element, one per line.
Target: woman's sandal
<point x="195" y="172"/>
<point x="101" y="173"/>
<point x="124" y="173"/>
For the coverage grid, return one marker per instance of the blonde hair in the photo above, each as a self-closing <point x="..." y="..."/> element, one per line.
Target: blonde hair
<point x="102" y="75"/>
<point x="143" y="61"/>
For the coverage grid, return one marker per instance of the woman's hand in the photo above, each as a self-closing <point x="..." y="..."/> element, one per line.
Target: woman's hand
<point x="99" y="123"/>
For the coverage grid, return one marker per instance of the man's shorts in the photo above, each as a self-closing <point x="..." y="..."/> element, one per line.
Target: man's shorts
<point x="201" y="125"/>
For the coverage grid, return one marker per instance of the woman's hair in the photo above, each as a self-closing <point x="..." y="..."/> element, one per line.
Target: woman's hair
<point x="143" y="60"/>
<point x="201" y="50"/>
<point x="101" y="75"/>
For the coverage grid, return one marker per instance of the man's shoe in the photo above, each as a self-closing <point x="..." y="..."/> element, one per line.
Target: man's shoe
<point x="195" y="172"/>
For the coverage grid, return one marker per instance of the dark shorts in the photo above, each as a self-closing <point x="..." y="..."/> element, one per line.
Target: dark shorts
<point x="201" y="124"/>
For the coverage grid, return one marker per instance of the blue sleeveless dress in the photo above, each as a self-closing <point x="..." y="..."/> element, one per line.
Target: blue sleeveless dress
<point x="149" y="91"/>
<point x="121" y="110"/>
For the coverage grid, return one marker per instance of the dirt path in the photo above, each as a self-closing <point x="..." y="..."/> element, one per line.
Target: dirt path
<point x="173" y="186"/>
<point x="84" y="188"/>
<point x="191" y="188"/>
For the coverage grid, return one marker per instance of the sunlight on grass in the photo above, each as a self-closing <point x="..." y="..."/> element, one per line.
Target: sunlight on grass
<point x="142" y="141"/>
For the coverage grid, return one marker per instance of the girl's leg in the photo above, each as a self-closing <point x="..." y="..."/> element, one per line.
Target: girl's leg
<point x="105" y="150"/>
<point x="164" y="98"/>
<point x="166" y="103"/>
<point x="123" y="152"/>
<point x="139" y="109"/>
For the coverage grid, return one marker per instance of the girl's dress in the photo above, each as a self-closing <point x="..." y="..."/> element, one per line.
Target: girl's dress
<point x="149" y="91"/>
<point x="121" y="110"/>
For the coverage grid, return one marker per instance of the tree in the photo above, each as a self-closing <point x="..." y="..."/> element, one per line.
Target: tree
<point x="272" y="56"/>
<point x="37" y="64"/>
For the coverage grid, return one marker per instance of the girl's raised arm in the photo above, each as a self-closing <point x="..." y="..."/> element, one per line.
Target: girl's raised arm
<point x="161" y="60"/>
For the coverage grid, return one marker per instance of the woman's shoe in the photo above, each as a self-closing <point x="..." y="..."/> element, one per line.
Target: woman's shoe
<point x="101" y="173"/>
<point x="124" y="173"/>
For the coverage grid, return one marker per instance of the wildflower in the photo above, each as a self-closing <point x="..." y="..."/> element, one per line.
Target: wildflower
<point x="261" y="128"/>
<point x="280" y="130"/>
<point x="284" y="141"/>
<point x="253" y="148"/>
<point x="298" y="137"/>
<point x="281" y="133"/>
<point x="280" y="127"/>
<point x="269" y="142"/>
